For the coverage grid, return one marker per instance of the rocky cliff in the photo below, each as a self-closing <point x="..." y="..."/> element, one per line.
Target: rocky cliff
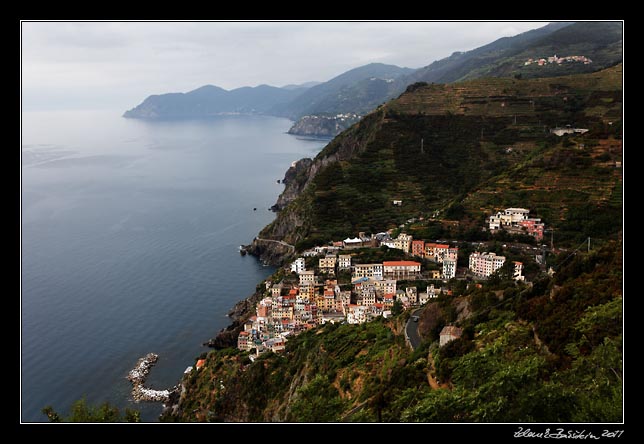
<point x="292" y="224"/>
<point x="322" y="126"/>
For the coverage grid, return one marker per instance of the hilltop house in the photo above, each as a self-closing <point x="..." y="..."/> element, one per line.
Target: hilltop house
<point x="516" y="220"/>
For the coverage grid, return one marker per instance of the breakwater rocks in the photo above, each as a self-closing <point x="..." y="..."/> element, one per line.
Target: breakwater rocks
<point x="137" y="377"/>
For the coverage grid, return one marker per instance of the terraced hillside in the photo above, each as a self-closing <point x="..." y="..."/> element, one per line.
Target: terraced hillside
<point x="474" y="147"/>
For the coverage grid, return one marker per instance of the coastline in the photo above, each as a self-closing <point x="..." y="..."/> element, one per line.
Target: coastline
<point x="245" y="308"/>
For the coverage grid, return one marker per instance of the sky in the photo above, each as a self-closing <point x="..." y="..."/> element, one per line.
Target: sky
<point x="116" y="65"/>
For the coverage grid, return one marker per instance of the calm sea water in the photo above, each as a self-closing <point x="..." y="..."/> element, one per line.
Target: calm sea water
<point x="130" y="236"/>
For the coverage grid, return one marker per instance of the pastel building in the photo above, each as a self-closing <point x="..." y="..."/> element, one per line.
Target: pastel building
<point x="484" y="264"/>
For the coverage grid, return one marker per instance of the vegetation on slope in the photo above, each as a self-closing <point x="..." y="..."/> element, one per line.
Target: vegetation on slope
<point x="465" y="151"/>
<point x="505" y="57"/>
<point x="83" y="412"/>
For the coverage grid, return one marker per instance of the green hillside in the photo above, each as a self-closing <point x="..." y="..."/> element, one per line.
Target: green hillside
<point x="546" y="353"/>
<point x="468" y="149"/>
<point x="599" y="41"/>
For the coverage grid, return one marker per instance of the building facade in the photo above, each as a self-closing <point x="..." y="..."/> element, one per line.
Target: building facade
<point x="484" y="264"/>
<point x="449" y="269"/>
<point x="298" y="265"/>
<point x="327" y="264"/>
<point x="368" y="270"/>
<point x="344" y="262"/>
<point x="401" y="269"/>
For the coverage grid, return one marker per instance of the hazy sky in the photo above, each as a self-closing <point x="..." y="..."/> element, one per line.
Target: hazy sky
<point x="118" y="64"/>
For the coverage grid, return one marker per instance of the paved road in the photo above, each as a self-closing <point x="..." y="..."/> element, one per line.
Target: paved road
<point x="411" y="330"/>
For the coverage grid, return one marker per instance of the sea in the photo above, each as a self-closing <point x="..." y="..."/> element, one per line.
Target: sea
<point x="130" y="235"/>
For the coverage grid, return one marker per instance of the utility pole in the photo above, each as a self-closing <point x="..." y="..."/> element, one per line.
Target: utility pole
<point x="589" y="244"/>
<point x="422" y="150"/>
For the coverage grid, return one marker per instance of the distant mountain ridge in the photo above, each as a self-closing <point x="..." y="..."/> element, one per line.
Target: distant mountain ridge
<point x="212" y="100"/>
<point x="358" y="90"/>
<point x="362" y="89"/>
<point x="505" y="57"/>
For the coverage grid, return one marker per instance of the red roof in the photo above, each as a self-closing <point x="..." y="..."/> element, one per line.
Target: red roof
<point x="243" y="333"/>
<point x="200" y="363"/>
<point x="400" y="263"/>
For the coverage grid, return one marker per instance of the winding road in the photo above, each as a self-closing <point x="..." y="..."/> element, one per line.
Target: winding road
<point x="292" y="247"/>
<point x="411" y="330"/>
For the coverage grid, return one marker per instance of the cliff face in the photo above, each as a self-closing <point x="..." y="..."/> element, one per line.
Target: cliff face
<point x="322" y="126"/>
<point x="293" y="179"/>
<point x="292" y="224"/>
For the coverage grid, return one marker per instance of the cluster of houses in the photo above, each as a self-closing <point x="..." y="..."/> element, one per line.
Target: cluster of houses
<point x="516" y="221"/>
<point x="292" y="308"/>
<point x="315" y="298"/>
<point x="559" y="60"/>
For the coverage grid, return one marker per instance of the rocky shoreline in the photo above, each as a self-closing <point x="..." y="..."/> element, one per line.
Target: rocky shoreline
<point x="241" y="311"/>
<point x="137" y="377"/>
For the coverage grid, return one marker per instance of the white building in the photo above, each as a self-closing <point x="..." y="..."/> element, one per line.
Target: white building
<point x="449" y="268"/>
<point x="402" y="242"/>
<point x="401" y="269"/>
<point x="389" y="243"/>
<point x="518" y="271"/>
<point x="344" y="261"/>
<point x="307" y="278"/>
<point x="354" y="242"/>
<point x="356" y="314"/>
<point x="367" y="270"/>
<point x="509" y="217"/>
<point x="484" y="264"/>
<point x="298" y="265"/>
<point x="389" y="286"/>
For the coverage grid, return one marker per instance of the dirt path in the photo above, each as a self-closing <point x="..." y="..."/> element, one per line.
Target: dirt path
<point x="430" y="379"/>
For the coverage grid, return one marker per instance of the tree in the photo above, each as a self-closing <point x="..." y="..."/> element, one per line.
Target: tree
<point x="397" y="307"/>
<point x="82" y="412"/>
